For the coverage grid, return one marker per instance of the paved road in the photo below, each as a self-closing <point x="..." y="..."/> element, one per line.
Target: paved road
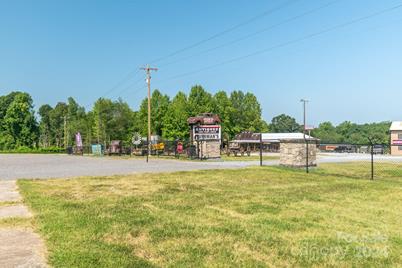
<point x="17" y="166"/>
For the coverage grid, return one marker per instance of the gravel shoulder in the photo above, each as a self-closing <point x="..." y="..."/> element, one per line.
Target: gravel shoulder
<point x="30" y="166"/>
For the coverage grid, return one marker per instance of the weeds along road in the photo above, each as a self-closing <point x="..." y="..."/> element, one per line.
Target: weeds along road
<point x="41" y="166"/>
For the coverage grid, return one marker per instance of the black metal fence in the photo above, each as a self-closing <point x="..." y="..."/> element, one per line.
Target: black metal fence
<point x="369" y="161"/>
<point x="160" y="148"/>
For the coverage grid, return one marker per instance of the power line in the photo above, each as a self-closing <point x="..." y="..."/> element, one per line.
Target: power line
<point x="126" y="78"/>
<point x="129" y="86"/>
<point x="130" y="75"/>
<point x="330" y="29"/>
<point x="254" y="33"/>
<point x="265" y="13"/>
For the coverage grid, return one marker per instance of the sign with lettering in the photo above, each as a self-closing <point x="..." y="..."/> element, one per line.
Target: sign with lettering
<point x="207" y="132"/>
<point x="397" y="142"/>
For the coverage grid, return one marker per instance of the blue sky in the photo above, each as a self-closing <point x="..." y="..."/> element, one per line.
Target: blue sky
<point x="83" y="49"/>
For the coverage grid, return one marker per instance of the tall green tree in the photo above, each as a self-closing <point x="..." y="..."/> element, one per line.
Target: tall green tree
<point x="102" y="116"/>
<point x="252" y="119"/>
<point x="199" y="101"/>
<point x="76" y="121"/>
<point x="58" y="117"/>
<point x="159" y="106"/>
<point x="224" y="109"/>
<point x="175" y="120"/>
<point x="326" y="132"/>
<point x="45" y="126"/>
<point x="284" y="124"/>
<point x="112" y="120"/>
<point x="20" y="126"/>
<point x="247" y="113"/>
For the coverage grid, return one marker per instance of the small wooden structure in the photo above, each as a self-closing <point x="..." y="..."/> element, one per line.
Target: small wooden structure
<point x="205" y="135"/>
<point x="114" y="148"/>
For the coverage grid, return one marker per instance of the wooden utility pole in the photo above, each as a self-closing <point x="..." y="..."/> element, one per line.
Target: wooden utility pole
<point x="148" y="74"/>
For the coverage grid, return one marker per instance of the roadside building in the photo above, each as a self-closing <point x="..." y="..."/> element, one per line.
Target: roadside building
<point x="396" y="138"/>
<point x="270" y="141"/>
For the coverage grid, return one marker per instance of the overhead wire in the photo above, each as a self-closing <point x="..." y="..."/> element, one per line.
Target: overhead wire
<point x="245" y="37"/>
<point x="303" y="38"/>
<point x="216" y="35"/>
<point x="130" y="75"/>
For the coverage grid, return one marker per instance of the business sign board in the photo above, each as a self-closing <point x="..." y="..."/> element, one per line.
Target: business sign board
<point x="207" y="132"/>
<point x="397" y="142"/>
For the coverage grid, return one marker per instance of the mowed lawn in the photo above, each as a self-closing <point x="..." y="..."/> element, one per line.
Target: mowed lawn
<point x="251" y="217"/>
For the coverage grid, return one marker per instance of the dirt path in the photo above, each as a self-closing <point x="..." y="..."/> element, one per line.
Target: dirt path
<point x="19" y="247"/>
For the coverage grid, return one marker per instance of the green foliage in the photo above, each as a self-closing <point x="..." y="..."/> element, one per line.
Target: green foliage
<point x="284" y="124"/>
<point x="175" y="120"/>
<point x="348" y="132"/>
<point x="327" y="133"/>
<point x="159" y="107"/>
<point x="25" y="149"/>
<point x="115" y="120"/>
<point x="199" y="101"/>
<point x="112" y="121"/>
<point x="18" y="122"/>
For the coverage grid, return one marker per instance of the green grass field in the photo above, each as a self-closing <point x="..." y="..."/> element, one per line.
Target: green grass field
<point x="251" y="217"/>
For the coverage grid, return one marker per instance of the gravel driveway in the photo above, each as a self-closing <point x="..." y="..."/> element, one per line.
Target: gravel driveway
<point x="18" y="166"/>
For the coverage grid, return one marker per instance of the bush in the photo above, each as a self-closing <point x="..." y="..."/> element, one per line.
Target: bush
<point x="27" y="150"/>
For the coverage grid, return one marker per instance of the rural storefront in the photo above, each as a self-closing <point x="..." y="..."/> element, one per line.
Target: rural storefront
<point x="396" y="138"/>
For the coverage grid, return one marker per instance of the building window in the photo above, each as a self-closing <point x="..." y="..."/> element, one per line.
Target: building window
<point x="400" y="136"/>
<point x="399" y="148"/>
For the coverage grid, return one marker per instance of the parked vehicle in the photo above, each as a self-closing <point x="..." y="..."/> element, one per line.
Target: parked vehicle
<point x="345" y="149"/>
<point x="236" y="148"/>
<point x="378" y="149"/>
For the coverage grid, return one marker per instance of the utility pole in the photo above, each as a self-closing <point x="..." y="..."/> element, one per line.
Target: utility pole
<point x="304" y="101"/>
<point x="66" y="138"/>
<point x="148" y="79"/>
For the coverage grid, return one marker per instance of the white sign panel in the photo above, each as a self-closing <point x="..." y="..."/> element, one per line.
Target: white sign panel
<point x="207" y="132"/>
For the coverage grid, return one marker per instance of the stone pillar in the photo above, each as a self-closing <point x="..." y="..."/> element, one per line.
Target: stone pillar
<point x="293" y="153"/>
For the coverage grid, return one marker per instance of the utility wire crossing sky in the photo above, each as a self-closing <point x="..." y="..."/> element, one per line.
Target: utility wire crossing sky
<point x="343" y="56"/>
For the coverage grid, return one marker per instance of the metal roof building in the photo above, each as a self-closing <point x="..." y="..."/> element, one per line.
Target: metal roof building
<point x="271" y="137"/>
<point x="396" y="126"/>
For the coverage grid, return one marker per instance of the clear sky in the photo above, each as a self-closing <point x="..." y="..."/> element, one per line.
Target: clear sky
<point x="83" y="49"/>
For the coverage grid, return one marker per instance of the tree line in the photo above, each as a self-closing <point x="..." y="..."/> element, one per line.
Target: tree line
<point x="108" y="120"/>
<point x="346" y="132"/>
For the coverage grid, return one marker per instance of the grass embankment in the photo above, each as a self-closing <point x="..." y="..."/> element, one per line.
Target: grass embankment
<point x="249" y="217"/>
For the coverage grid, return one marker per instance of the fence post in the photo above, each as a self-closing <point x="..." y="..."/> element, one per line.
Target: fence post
<point x="372" y="161"/>
<point x="260" y="149"/>
<point x="307" y="163"/>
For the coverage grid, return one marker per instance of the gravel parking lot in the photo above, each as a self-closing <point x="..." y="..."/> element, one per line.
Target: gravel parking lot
<point x="19" y="166"/>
